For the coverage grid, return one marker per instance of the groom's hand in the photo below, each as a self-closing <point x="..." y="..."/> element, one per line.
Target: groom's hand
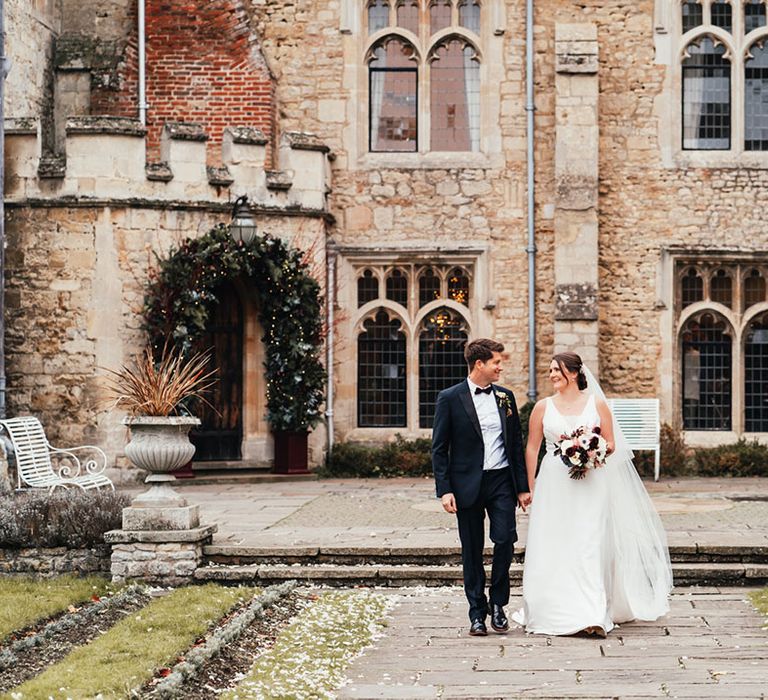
<point x="449" y="503"/>
<point x="524" y="499"/>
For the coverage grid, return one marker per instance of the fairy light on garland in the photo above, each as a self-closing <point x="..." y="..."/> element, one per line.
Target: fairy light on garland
<point x="182" y="294"/>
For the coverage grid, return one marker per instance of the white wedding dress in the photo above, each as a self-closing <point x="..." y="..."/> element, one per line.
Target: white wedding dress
<point x="582" y="567"/>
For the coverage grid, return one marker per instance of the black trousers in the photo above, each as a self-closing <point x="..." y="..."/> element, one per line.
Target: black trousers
<point x="497" y="499"/>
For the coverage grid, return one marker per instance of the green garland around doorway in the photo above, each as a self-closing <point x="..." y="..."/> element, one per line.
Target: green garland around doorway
<point x="182" y="294"/>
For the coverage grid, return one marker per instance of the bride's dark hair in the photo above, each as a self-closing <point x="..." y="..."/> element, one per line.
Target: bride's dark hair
<point x="572" y="362"/>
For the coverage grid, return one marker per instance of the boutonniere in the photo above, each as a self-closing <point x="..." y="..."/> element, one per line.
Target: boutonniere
<point x="503" y="400"/>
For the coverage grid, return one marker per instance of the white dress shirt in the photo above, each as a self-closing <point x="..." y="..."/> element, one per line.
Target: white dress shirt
<point x="494" y="454"/>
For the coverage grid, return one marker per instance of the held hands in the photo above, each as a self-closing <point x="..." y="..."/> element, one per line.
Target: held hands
<point x="449" y="503"/>
<point x="524" y="500"/>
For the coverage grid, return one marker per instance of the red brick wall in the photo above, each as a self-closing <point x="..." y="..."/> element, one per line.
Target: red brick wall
<point x="204" y="65"/>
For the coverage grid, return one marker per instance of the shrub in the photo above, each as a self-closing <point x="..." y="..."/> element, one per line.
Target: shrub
<point x="399" y="458"/>
<point x="739" y="459"/>
<point x="70" y="518"/>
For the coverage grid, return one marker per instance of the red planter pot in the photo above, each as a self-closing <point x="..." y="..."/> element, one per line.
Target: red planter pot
<point x="291" y="452"/>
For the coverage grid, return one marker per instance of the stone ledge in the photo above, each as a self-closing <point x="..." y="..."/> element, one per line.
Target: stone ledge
<point x="21" y="126"/>
<point x="219" y="176"/>
<point x="119" y="126"/>
<point x="278" y="180"/>
<point x="302" y="141"/>
<point x="150" y="536"/>
<point x="247" y="135"/>
<point x="158" y="172"/>
<point x="183" y="131"/>
<point x="240" y="551"/>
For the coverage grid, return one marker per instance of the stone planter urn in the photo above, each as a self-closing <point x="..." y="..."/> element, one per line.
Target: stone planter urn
<point x="159" y="445"/>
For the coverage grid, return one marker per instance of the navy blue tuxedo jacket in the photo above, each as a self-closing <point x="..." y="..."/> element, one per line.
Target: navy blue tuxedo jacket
<point x="457" y="445"/>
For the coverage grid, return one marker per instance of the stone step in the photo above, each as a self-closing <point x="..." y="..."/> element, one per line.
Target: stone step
<point x="685" y="574"/>
<point x="439" y="556"/>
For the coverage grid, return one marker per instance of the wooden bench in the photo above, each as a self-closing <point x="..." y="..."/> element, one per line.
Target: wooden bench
<point x="33" y="459"/>
<point x="639" y="421"/>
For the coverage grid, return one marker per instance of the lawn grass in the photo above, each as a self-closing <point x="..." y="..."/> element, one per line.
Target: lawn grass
<point x="24" y="601"/>
<point x="760" y="601"/>
<point x="310" y="657"/>
<point x="126" y="657"/>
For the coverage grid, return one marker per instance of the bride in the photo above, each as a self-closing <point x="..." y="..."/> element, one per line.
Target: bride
<point x="596" y="552"/>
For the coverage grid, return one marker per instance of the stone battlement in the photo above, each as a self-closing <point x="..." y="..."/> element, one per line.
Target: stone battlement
<point x="105" y="160"/>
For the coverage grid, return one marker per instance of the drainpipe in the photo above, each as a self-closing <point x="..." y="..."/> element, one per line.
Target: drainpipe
<point x="330" y="303"/>
<point x="531" y="248"/>
<point x="3" y="73"/>
<point x="142" y="62"/>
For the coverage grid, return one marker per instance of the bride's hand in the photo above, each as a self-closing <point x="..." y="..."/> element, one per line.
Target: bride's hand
<point x="610" y="449"/>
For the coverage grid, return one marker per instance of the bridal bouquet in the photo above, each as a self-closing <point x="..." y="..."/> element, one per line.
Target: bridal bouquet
<point x="584" y="449"/>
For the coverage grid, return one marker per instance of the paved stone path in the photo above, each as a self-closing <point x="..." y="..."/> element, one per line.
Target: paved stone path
<point x="404" y="512"/>
<point x="711" y="645"/>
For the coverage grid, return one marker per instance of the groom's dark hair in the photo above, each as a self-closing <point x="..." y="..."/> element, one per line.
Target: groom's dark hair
<point x="481" y="349"/>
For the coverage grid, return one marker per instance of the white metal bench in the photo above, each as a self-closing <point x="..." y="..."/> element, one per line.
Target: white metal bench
<point x="639" y="421"/>
<point x="33" y="459"/>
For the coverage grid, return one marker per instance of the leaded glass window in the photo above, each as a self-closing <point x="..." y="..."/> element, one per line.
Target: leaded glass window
<point x="381" y="378"/>
<point x="439" y="15"/>
<point x="692" y="287"/>
<point x="707" y="347"/>
<point x="367" y="288"/>
<point x="455" y="98"/>
<point x="721" y="288"/>
<point x="469" y="15"/>
<point x="756" y="376"/>
<point x="706" y="97"/>
<point x="754" y="15"/>
<point x="754" y="288"/>
<point x="397" y="287"/>
<point x="693" y="15"/>
<point x="429" y="287"/>
<point x="378" y="15"/>
<point x="441" y="359"/>
<point x="393" y="96"/>
<point x="722" y="15"/>
<point x="408" y="15"/>
<point x="756" y="99"/>
<point x="458" y="286"/>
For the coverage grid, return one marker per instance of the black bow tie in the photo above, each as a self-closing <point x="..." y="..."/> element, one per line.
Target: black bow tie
<point x="487" y="390"/>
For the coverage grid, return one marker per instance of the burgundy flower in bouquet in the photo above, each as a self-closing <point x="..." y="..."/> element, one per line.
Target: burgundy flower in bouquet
<point x="584" y="449"/>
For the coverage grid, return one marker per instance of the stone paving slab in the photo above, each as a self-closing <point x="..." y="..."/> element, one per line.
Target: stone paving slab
<point x="404" y="514"/>
<point x="712" y="645"/>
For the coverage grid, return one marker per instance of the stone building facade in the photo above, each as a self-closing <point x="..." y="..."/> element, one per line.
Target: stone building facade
<point x="650" y="193"/>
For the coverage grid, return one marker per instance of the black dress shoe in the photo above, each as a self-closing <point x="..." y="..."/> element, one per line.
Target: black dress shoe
<point x="478" y="628"/>
<point x="499" y="620"/>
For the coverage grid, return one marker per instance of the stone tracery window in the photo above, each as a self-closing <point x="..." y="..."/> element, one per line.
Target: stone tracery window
<point x="424" y="294"/>
<point x="438" y="77"/>
<point x="713" y="348"/>
<point x="724" y="42"/>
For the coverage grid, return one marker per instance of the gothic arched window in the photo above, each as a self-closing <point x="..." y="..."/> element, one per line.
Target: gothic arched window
<point x="707" y="348"/>
<point x="754" y="289"/>
<point x="754" y="15"/>
<point x="442" y="338"/>
<point x="455" y="97"/>
<point x="756" y="98"/>
<point x="429" y="286"/>
<point x="397" y="287"/>
<point x="408" y="15"/>
<point x="458" y="286"/>
<point x="693" y="15"/>
<point x="469" y="15"/>
<point x="691" y="287"/>
<point x="721" y="288"/>
<point x="722" y="14"/>
<point x="381" y="381"/>
<point x="393" y="93"/>
<point x="367" y="288"/>
<point x="378" y="15"/>
<point x="756" y="376"/>
<point x="706" y="96"/>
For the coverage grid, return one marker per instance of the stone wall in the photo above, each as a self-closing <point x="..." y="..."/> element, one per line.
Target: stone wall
<point x="31" y="26"/>
<point x="55" y="561"/>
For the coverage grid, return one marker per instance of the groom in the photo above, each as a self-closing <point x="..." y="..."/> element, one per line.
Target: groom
<point x="477" y="459"/>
